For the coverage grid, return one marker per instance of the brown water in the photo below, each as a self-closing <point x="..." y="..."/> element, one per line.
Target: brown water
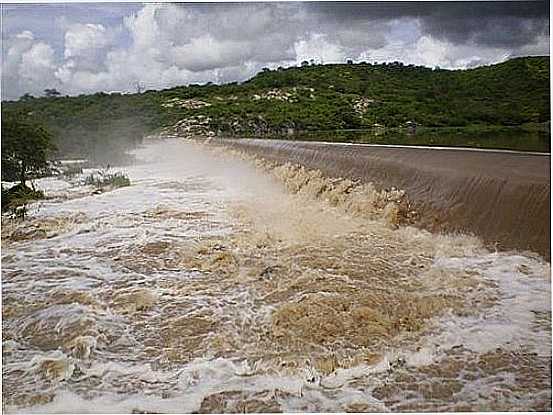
<point x="218" y="283"/>
<point x="502" y="197"/>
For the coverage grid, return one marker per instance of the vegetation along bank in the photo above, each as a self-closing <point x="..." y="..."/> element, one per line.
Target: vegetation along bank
<point x="423" y="105"/>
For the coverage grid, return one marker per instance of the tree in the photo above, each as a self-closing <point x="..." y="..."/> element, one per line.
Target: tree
<point x="25" y="148"/>
<point x="51" y="93"/>
<point x="26" y="97"/>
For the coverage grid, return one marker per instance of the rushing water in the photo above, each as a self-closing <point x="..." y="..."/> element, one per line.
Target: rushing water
<point x="207" y="286"/>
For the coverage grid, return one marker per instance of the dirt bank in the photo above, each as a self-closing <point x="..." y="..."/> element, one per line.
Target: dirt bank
<point x="502" y="197"/>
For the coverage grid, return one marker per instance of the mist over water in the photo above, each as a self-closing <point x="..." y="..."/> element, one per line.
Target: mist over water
<point x="218" y="283"/>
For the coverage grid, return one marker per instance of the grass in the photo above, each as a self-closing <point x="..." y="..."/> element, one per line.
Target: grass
<point x="523" y="138"/>
<point x="16" y="198"/>
<point x="102" y="178"/>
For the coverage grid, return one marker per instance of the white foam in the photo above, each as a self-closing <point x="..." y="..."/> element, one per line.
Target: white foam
<point x="511" y="323"/>
<point x="178" y="176"/>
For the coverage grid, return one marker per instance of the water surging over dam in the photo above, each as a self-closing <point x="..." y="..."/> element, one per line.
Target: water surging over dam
<point x="218" y="282"/>
<point x="502" y="197"/>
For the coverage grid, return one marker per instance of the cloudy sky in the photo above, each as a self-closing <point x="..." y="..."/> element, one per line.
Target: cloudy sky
<point x="82" y="48"/>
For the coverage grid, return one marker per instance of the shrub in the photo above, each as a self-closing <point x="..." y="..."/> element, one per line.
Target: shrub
<point x="16" y="198"/>
<point x="72" y="171"/>
<point x="102" y="179"/>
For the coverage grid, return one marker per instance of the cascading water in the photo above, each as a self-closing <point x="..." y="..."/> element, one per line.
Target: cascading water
<point x="213" y="284"/>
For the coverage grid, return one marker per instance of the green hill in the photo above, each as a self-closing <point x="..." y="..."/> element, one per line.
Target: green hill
<point x="306" y="98"/>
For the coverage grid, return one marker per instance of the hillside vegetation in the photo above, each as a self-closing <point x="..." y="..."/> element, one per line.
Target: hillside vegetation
<point x="306" y="98"/>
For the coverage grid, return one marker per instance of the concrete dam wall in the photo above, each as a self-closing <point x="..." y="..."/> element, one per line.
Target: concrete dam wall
<point x="502" y="197"/>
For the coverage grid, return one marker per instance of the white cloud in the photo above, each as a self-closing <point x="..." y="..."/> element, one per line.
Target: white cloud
<point x="163" y="45"/>
<point x="318" y="47"/>
<point x="21" y="43"/>
<point x="37" y="67"/>
<point x="81" y="39"/>
<point x="166" y="48"/>
<point x="206" y="53"/>
<point x="28" y="66"/>
<point x="25" y="35"/>
<point x="431" y="52"/>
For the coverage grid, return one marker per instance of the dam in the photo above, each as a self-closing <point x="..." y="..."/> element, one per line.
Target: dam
<point x="266" y="276"/>
<point x="501" y="196"/>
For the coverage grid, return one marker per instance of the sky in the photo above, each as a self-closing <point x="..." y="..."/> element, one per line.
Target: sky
<point x="90" y="47"/>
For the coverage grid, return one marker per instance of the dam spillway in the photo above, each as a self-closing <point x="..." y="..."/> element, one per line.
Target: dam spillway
<point x="503" y="197"/>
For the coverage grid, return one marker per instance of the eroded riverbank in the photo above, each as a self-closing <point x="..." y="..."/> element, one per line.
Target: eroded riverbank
<point x="212" y="284"/>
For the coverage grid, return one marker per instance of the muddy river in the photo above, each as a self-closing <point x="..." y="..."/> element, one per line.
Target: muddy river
<point x="218" y="283"/>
